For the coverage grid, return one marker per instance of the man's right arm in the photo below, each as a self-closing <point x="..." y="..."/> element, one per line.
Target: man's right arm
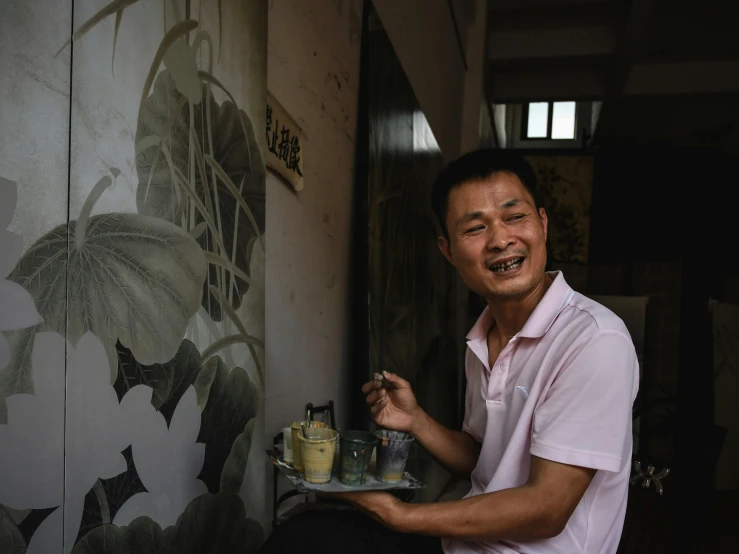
<point x="456" y="451"/>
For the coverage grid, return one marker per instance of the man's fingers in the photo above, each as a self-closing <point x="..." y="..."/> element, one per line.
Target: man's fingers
<point x="395" y="381"/>
<point x="374" y="397"/>
<point x="370" y="386"/>
<point x="378" y="406"/>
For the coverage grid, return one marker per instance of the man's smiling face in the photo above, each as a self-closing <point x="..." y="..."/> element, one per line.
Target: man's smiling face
<point x="497" y="238"/>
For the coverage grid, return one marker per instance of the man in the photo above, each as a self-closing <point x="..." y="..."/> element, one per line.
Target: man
<point x="551" y="380"/>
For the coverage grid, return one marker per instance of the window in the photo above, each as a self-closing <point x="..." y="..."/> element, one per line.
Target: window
<point x="423" y="136"/>
<point x="549" y="121"/>
<point x="548" y="124"/>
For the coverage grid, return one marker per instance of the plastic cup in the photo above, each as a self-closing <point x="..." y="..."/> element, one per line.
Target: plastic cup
<point x="392" y="454"/>
<point x="356" y="452"/>
<point x="295" y="431"/>
<point x="287" y="444"/>
<point x="317" y="453"/>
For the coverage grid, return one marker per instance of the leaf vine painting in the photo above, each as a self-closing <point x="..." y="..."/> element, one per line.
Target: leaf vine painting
<point x="227" y="179"/>
<point x="210" y="524"/>
<point x="125" y="277"/>
<point x="124" y="427"/>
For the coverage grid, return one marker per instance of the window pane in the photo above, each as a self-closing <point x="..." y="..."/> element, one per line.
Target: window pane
<point x="538" y="119"/>
<point x="423" y="136"/>
<point x="563" y="120"/>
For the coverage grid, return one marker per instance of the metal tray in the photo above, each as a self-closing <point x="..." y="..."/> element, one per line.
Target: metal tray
<point x="371" y="483"/>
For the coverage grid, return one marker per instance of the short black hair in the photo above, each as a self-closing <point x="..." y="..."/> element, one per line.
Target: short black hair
<point x="477" y="165"/>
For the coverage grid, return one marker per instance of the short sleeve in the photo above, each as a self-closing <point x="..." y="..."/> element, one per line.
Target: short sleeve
<point x="585" y="418"/>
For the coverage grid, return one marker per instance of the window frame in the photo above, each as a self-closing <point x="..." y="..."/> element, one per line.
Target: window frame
<point x="518" y="125"/>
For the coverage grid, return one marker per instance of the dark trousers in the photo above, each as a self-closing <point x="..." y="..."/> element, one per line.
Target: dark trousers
<point x="344" y="532"/>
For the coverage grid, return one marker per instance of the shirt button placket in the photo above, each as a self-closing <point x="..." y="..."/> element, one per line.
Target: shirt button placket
<point x="496" y="385"/>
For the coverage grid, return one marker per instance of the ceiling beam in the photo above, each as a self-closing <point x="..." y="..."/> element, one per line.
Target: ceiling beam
<point x="546" y="83"/>
<point x="592" y="40"/>
<point x="683" y="78"/>
<point x="591" y="62"/>
<point x="515" y="85"/>
<point x="568" y="31"/>
<point x="523" y="4"/>
<point x="561" y="62"/>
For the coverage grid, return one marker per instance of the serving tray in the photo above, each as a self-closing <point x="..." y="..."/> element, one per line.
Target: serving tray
<point x="371" y="483"/>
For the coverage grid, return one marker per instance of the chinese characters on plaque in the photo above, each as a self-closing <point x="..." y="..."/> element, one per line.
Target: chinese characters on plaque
<point x="284" y="142"/>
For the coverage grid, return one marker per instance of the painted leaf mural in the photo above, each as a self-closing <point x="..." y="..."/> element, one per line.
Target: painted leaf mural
<point x="126" y="277"/>
<point x="211" y="524"/>
<point x="11" y="538"/>
<point x="103" y="501"/>
<point x="18" y="310"/>
<point x="32" y="521"/>
<point x="169" y="380"/>
<point x="126" y="419"/>
<point x="207" y="170"/>
<point x="228" y="449"/>
<point x="232" y="404"/>
<point x="168" y="460"/>
<point x="59" y="441"/>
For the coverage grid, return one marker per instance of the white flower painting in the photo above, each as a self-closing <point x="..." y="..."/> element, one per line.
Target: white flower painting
<point x="168" y="460"/>
<point x="42" y="440"/>
<point x="18" y="310"/>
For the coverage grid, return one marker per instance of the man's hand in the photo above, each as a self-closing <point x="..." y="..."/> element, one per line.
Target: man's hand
<point x="392" y="402"/>
<point x="393" y="406"/>
<point x="382" y="506"/>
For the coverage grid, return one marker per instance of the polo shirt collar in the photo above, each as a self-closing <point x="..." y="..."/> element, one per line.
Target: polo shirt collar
<point x="480" y="330"/>
<point x="549" y="307"/>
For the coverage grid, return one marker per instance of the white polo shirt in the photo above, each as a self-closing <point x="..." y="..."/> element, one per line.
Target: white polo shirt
<point x="562" y="389"/>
